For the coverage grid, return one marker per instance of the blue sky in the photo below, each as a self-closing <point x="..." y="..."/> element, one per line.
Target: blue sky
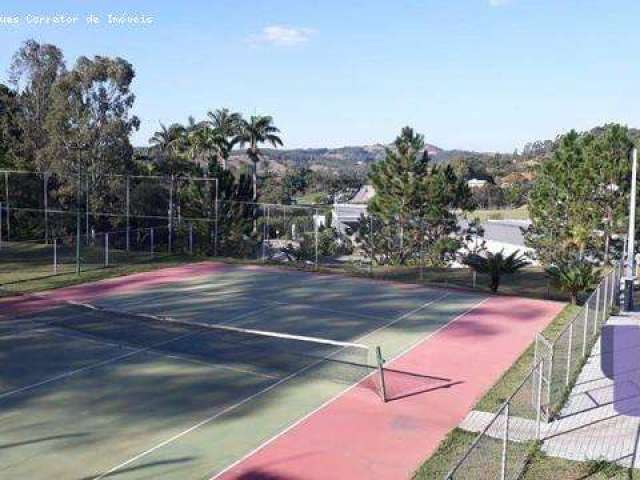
<point x="476" y="74"/>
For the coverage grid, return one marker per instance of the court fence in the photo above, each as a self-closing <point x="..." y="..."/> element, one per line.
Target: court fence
<point x="503" y="446"/>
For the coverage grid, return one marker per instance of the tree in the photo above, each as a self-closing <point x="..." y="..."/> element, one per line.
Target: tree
<point x="496" y="265"/>
<point x="253" y="133"/>
<point x="414" y="204"/>
<point x="34" y="71"/>
<point x="89" y="123"/>
<point x="562" y="203"/>
<point x="573" y="276"/>
<point x="168" y="145"/>
<point x="227" y="124"/>
<point x="10" y="132"/>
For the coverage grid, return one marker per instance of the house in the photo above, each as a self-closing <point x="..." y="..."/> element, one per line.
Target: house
<point x="345" y="216"/>
<point x="476" y="183"/>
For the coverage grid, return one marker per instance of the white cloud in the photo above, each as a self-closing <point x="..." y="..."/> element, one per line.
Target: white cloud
<point x="498" y="3"/>
<point x="282" y="36"/>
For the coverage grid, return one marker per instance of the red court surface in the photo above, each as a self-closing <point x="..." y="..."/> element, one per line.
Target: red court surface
<point x="356" y="436"/>
<point x="112" y="286"/>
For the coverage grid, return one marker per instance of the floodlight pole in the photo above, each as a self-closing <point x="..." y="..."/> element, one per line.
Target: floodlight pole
<point x="628" y="281"/>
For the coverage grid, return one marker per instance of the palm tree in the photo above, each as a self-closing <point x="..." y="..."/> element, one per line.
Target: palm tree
<point x="496" y="265"/>
<point x="227" y="125"/>
<point x="204" y="141"/>
<point x="254" y="132"/>
<point x="167" y="140"/>
<point x="573" y="276"/>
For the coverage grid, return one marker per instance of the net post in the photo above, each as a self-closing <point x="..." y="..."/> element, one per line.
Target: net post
<point x="380" y="364"/>
<point x="106" y="249"/>
<point x="55" y="255"/>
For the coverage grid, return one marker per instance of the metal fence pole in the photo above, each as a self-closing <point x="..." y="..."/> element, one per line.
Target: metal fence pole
<point x="151" y="240"/>
<point x="595" y="321"/>
<point x="586" y="326"/>
<point x="87" y="204"/>
<point x="1" y="224"/>
<point x="190" y="238"/>
<point x="315" y="232"/>
<point x="55" y="255"/>
<point x="505" y="440"/>
<point x="106" y="249"/>
<point x="170" y="226"/>
<point x="6" y="197"/>
<point x="540" y="368"/>
<point x="605" y="302"/>
<point x="372" y="246"/>
<point x="215" y="223"/>
<point x="45" y="183"/>
<point x="127" y="205"/>
<point x="569" y="352"/>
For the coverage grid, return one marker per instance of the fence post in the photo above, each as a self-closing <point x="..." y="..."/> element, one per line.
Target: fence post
<point x="1" y="207"/>
<point x="540" y="368"/>
<point x="151" y="240"/>
<point x="106" y="249"/>
<point x="128" y="209"/>
<point x="55" y="255"/>
<point x="170" y="226"/>
<point x="595" y="321"/>
<point x="505" y="439"/>
<point x="6" y="197"/>
<point x="605" y="302"/>
<point x="45" y="183"/>
<point x="569" y="351"/>
<point x="586" y="326"/>
<point x="372" y="245"/>
<point x="315" y="233"/>
<point x="190" y="238"/>
<point x="383" y="386"/>
<point x="215" y="223"/>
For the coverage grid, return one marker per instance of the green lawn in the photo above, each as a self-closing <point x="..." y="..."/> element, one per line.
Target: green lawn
<point x="542" y="467"/>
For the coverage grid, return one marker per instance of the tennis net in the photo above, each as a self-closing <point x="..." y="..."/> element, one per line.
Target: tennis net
<point x="265" y="353"/>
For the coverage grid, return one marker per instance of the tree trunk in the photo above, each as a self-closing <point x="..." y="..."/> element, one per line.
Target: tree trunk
<point x="495" y="282"/>
<point x="574" y="298"/>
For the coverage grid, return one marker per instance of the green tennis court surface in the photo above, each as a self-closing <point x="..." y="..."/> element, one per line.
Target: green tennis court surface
<point x="102" y="394"/>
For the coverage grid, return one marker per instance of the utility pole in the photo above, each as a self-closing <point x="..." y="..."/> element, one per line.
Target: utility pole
<point x="628" y="281"/>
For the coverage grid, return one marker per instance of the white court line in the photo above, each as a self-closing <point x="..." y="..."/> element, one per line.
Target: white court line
<point x="265" y="390"/>
<point x="71" y="373"/>
<point x="344" y="392"/>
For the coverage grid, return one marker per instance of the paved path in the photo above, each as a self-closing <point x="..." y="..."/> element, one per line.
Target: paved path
<point x="601" y="420"/>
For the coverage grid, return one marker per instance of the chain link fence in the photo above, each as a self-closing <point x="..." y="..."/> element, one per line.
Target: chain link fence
<point x="502" y="448"/>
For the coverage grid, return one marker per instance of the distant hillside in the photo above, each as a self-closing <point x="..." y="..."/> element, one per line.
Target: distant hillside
<point x="337" y="159"/>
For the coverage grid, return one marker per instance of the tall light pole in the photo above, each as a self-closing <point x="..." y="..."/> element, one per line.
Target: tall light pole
<point x="628" y="281"/>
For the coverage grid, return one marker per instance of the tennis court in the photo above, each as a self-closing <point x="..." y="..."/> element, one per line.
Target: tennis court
<point x="182" y="373"/>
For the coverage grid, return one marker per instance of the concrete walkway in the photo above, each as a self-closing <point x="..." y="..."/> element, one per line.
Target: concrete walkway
<point x="601" y="419"/>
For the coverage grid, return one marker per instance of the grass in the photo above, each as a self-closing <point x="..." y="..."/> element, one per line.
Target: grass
<point x="543" y="467"/>
<point x="37" y="284"/>
<point x="521" y="213"/>
<point x="455" y="444"/>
